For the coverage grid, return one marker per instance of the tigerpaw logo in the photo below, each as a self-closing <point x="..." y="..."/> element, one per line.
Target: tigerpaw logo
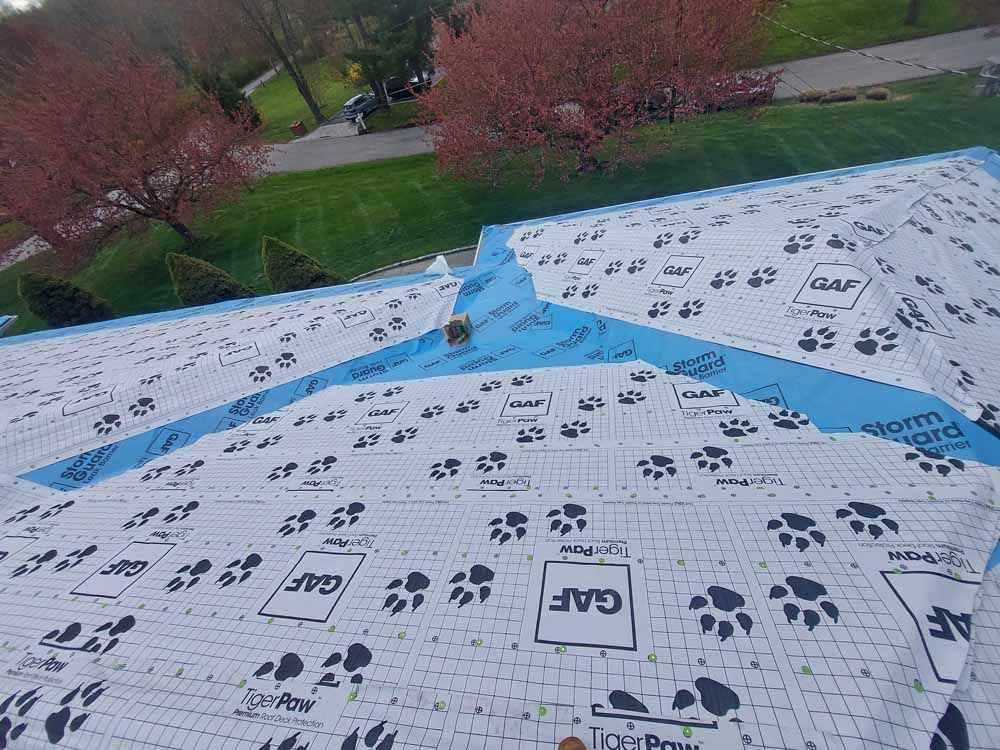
<point x="700" y="366"/>
<point x="601" y="549"/>
<point x="364" y="540"/>
<point x="927" y="430"/>
<point x="604" y="740"/>
<point x="751" y="480"/>
<point x="502" y="484"/>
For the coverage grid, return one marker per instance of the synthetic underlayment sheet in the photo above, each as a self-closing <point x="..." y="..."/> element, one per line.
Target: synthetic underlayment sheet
<point x="469" y="562"/>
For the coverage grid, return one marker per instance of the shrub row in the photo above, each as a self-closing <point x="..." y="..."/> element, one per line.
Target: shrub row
<point x="844" y="94"/>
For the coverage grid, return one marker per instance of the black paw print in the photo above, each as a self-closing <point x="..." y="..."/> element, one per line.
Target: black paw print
<point x="446" y="468"/>
<point x="921" y="227"/>
<point x="397" y="324"/>
<point x="590" y="403"/>
<point x="367" y="440"/>
<point x="574" y="429"/>
<point x="286" y="337"/>
<point x="987" y="268"/>
<point x="282" y="472"/>
<point x="34" y="563"/>
<point x="545" y="259"/>
<point x="335" y="415"/>
<point x="689" y="236"/>
<point x="75" y="557"/>
<point x="59" y="722"/>
<point x="401" y="436"/>
<point x="394" y="304"/>
<point x="885" y="266"/>
<point x="931" y="462"/>
<point x="140" y="519"/>
<point x="239" y="445"/>
<point x="358" y="657"/>
<point x="613" y="267"/>
<point x="797" y="523"/>
<point x="965" y="377"/>
<point x="712" y="458"/>
<point x="464" y="407"/>
<point x="839" y="243"/>
<point x="430" y="412"/>
<point x="285" y="360"/>
<point x="288" y="667"/>
<point x="961" y="244"/>
<point x="989" y="419"/>
<point x="142" y="407"/>
<point x="929" y="284"/>
<point x="188" y="575"/>
<point x="663" y="239"/>
<point x="788" y="420"/>
<point x="19" y="705"/>
<point x="727" y="601"/>
<point x="414" y="584"/>
<point x="986" y="307"/>
<point x="570" y="291"/>
<point x="658" y="308"/>
<point x="566" y="517"/>
<point x="291" y="742"/>
<point x="871" y="342"/>
<point x="478" y="577"/>
<point x="239" y="570"/>
<point x="181" y="512"/>
<point x="269" y="441"/>
<point x="560" y="259"/>
<point x="62" y="639"/>
<point x="155" y="473"/>
<point x="590" y="290"/>
<point x="296" y="523"/>
<point x="761" y="276"/>
<point x="190" y="468"/>
<point x="493" y="461"/>
<point x="377" y="334"/>
<point x="799" y="242"/>
<point x="960" y="313"/>
<point x="873" y="513"/>
<point x="107" y="424"/>
<point x="723" y="278"/>
<point x="22" y="514"/>
<point x="519" y="380"/>
<point x="630" y="397"/>
<point x="393" y="391"/>
<point x="371" y="737"/>
<point x="322" y="465"/>
<point x="346" y="515"/>
<point x="55" y="510"/>
<point x="657" y="467"/>
<point x="806" y="590"/>
<point x="736" y="428"/>
<point x="304" y="420"/>
<point x="490" y="385"/>
<point x="642" y="376"/>
<point x="819" y="338"/>
<point x="510" y="526"/>
<point x="636" y="265"/>
<point x="691" y="308"/>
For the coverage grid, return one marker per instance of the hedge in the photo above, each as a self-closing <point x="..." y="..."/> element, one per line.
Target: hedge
<point x="291" y="270"/>
<point x="60" y="302"/>
<point x="197" y="282"/>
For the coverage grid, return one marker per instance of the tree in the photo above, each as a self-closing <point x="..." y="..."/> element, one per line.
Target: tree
<point x="197" y="282"/>
<point x="574" y="102"/>
<point x="290" y="270"/>
<point x="60" y="302"/>
<point x="987" y="12"/>
<point x="91" y="144"/>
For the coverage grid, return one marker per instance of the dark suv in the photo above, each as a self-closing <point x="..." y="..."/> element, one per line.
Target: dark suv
<point x="362" y="104"/>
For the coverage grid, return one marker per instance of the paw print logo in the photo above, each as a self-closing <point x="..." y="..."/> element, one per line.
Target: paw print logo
<point x="260" y="373"/>
<point x="190" y="468"/>
<point x="367" y="440"/>
<point x="282" y="472"/>
<point x="150" y="380"/>
<point x="629" y="398"/>
<point x="188" y="575"/>
<point x="574" y="429"/>
<point x="870" y="341"/>
<point x="322" y="465"/>
<point x="952" y="731"/>
<point x="156" y="473"/>
<point x="304" y="420"/>
<point x="493" y="461"/>
<point x="961" y="244"/>
<point x="239" y="445"/>
<point x="374" y="739"/>
<point x="726" y="601"/>
<point x="885" y="266"/>
<point x="788" y="420"/>
<point x="802" y="525"/>
<point x="636" y="265"/>
<point x="580" y="237"/>
<point x="929" y="284"/>
<point x="931" y="462"/>
<point x="377" y="334"/>
<point x="590" y="403"/>
<point x="401" y="436"/>
<point x="20" y="705"/>
<point x="689" y="236"/>
<point x="613" y="267"/>
<point x="239" y="570"/>
<point x="62" y="639"/>
<point x="642" y="376"/>
<point x="656" y="467"/>
<point x="107" y="424"/>
<point x="658" y="308"/>
<point x="472" y="585"/>
<point x="984" y="306"/>
<point x="805" y="590"/>
<point x="269" y="441"/>
<point x="490" y="385"/>
<point x="860" y="513"/>
<point x="414" y="583"/>
<point x="334" y="415"/>
<point x="567" y="517"/>
<point x="55" y="510"/>
<point x="34" y="563"/>
<point x="590" y="290"/>
<point x="296" y="523"/>
<point x="288" y="667"/>
<point x="691" y="309"/>
<point x="285" y="360"/>
<point x="75" y="557"/>
<point x="366" y="396"/>
<point x="987" y="268"/>
<point x="142" y="407"/>
<point x="736" y="428"/>
<point x="960" y="313"/>
<point x="464" y="407"/>
<point x="839" y="243"/>
<point x="141" y="518"/>
<point x="397" y="324"/>
<point x="712" y="458"/>
<point x="560" y="259"/>
<point x="990" y="418"/>
<point x="723" y="278"/>
<point x="519" y="380"/>
<point x="510" y="526"/>
<point x="181" y="512"/>
<point x="393" y="391"/>
<point x="58" y="723"/>
<point x="798" y="242"/>
<point x="444" y="469"/>
<point x="530" y="435"/>
<point x="965" y="377"/>
<point x="346" y="515"/>
<point x="286" y="337"/>
<point x="430" y="412"/>
<point x="921" y="227"/>
<point x="663" y="239"/>
<point x="817" y="338"/>
<point x="545" y="259"/>
<point x="394" y="304"/>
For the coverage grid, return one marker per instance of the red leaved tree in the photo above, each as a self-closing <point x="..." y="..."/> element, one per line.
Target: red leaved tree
<point x="565" y="84"/>
<point x="93" y="143"/>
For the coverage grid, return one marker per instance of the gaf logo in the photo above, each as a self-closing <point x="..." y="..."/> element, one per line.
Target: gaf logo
<point x="836" y="285"/>
<point x="586" y="262"/>
<point x="383" y="413"/>
<point x="604" y="601"/>
<point x="448" y="288"/>
<point x="323" y="584"/>
<point x="701" y="396"/>
<point x="124" y="569"/>
<point x="312" y="588"/>
<point x="356" y="318"/>
<point x="678" y="270"/>
<point x="527" y="404"/>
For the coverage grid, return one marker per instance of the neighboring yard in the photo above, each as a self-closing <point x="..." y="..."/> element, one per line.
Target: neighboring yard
<point x="359" y="217"/>
<point x="399" y="115"/>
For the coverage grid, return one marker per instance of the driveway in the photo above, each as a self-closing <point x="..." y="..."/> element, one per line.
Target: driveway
<point x="303" y="155"/>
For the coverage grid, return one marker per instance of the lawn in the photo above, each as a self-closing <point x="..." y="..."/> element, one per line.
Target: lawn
<point x="362" y="216"/>
<point x="281" y="104"/>
<point x="856" y="23"/>
<point x="399" y="115"/>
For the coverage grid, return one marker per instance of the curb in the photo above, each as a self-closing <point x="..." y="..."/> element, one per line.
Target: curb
<point x="400" y="264"/>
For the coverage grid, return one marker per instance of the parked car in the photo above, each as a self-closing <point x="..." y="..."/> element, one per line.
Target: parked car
<point x="362" y="104"/>
<point x="399" y="89"/>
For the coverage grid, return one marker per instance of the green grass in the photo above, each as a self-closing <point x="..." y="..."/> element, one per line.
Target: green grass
<point x="280" y="103"/>
<point x="855" y="24"/>
<point x="397" y="116"/>
<point x="362" y="216"/>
